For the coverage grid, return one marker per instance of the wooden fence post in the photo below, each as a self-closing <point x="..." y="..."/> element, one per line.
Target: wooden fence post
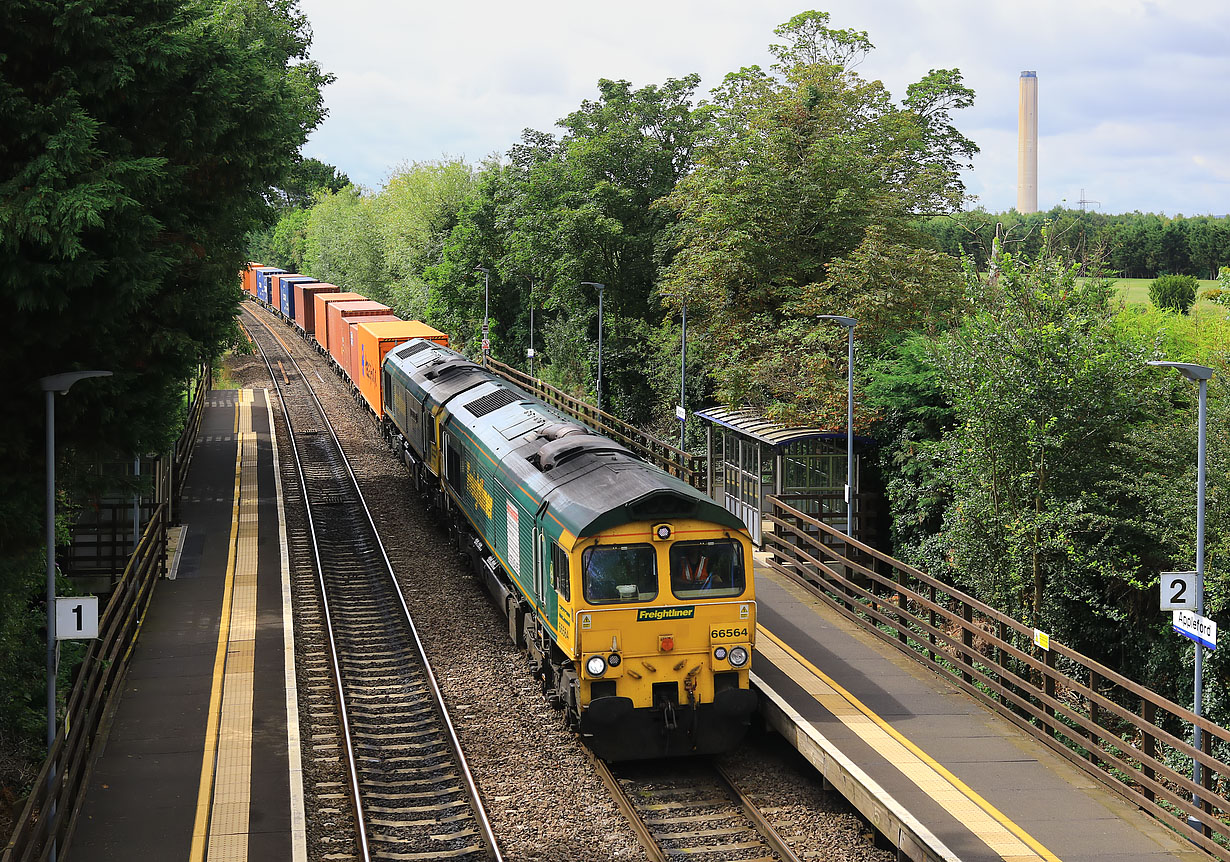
<point x="1001" y="658"/>
<point x="1095" y="715"/>
<point x="967" y="639"/>
<point x="932" y="618"/>
<point x="1048" y="688"/>
<point x="903" y="604"/>
<point x="1148" y="712"/>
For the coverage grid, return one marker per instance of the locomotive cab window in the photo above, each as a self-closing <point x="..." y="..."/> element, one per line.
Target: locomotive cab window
<point x="453" y="466"/>
<point x="620" y="573"/>
<point x="707" y="570"/>
<point x="559" y="572"/>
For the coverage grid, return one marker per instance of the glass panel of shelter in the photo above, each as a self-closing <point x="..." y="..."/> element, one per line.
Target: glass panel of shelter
<point x="817" y="467"/>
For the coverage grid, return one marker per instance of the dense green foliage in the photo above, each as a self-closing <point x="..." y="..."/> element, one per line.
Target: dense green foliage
<point x="797" y="166"/>
<point x="1176" y="292"/>
<point x="141" y="143"/>
<point x="1132" y="245"/>
<point x="1038" y="463"/>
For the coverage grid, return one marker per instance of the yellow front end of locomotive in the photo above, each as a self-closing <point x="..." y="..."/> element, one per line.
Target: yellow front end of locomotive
<point x="665" y="614"/>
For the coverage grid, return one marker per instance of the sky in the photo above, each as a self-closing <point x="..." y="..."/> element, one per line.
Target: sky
<point x="1133" y="96"/>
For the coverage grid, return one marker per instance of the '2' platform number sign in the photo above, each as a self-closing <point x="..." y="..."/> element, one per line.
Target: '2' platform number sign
<point x="1178" y="591"/>
<point x="76" y="618"/>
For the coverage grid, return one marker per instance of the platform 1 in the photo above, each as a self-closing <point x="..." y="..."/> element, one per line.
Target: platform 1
<point x="943" y="776"/>
<point x="200" y="759"/>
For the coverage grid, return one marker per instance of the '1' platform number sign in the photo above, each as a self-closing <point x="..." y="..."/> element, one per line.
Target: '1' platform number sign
<point x="1178" y="591"/>
<point x="76" y="618"/>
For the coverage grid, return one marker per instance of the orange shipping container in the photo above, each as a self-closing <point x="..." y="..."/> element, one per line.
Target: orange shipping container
<point x="372" y="342"/>
<point x="321" y="301"/>
<point x="305" y="306"/>
<point x="249" y="277"/>
<point x="339" y="334"/>
<point x="275" y="289"/>
<point x="352" y="353"/>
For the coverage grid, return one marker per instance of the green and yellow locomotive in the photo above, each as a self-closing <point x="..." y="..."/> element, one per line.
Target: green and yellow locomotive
<point x="630" y="591"/>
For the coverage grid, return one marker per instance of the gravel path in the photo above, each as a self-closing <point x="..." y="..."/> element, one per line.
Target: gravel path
<point x="544" y="799"/>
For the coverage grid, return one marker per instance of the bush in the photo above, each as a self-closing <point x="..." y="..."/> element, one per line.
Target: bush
<point x="1173" y="291"/>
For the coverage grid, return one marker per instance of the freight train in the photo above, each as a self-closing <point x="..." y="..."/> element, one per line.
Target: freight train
<point x="630" y="592"/>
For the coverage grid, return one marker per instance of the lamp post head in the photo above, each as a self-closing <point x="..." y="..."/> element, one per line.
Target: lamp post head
<point x="837" y="318"/>
<point x="596" y="284"/>
<point x="1187" y="369"/>
<point x="63" y="382"/>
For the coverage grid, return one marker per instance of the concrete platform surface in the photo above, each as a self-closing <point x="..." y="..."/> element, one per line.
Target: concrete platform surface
<point x="981" y="787"/>
<point x="208" y="673"/>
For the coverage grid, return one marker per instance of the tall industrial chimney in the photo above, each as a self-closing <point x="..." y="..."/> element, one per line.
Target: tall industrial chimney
<point x="1027" y="145"/>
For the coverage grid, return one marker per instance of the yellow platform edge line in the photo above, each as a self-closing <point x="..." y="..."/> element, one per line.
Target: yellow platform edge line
<point x="294" y="754"/>
<point x="960" y="785"/>
<point x="200" y="826"/>
<point x="231" y="809"/>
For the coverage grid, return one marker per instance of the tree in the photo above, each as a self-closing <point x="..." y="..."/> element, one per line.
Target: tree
<point x="343" y="246"/>
<point x="1045" y="390"/>
<point x="798" y="164"/>
<point x="1176" y="292"/>
<point x="140" y="140"/>
<point x="572" y="209"/>
<point x="306" y="179"/>
<point x="414" y="213"/>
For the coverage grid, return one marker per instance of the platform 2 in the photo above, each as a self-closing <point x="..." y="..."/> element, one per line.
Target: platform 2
<point x="943" y="776"/>
<point x="201" y="757"/>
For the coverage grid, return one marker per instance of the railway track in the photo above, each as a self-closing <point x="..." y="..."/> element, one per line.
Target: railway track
<point x="412" y="792"/>
<point x="692" y="808"/>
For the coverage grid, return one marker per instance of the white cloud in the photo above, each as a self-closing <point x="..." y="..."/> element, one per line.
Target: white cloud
<point x="1133" y="105"/>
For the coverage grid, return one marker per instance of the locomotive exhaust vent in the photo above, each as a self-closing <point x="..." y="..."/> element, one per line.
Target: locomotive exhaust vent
<point x="492" y="402"/>
<point x="411" y="349"/>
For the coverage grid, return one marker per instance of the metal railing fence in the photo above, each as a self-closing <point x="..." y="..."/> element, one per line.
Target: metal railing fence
<point x="1110" y="726"/>
<point x="47" y="818"/>
<point x="48" y="814"/>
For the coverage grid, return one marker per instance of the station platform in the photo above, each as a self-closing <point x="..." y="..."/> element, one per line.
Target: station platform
<point x="201" y="757"/>
<point x="942" y="775"/>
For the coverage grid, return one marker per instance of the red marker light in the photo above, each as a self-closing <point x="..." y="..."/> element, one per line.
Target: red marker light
<point x="666" y="643"/>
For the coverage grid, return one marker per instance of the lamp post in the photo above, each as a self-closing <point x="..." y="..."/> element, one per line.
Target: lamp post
<point x="530" y="353"/>
<point x="1200" y="374"/>
<point x="683" y="370"/>
<point x="849" y="323"/>
<point x="600" y="287"/>
<point x="51" y="385"/>
<point x="486" y="310"/>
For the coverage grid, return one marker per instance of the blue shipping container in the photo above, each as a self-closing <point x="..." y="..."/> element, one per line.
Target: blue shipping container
<point x="262" y="281"/>
<point x="287" y="304"/>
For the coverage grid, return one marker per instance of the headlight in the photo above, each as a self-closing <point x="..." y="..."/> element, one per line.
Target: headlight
<point x="719" y="653"/>
<point x="614" y="660"/>
<point x="596" y="665"/>
<point x="738" y="657"/>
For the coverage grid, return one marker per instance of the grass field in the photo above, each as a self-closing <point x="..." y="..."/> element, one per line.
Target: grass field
<point x="1136" y="290"/>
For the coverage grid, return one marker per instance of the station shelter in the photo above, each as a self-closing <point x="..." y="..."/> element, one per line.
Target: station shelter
<point x="751" y="458"/>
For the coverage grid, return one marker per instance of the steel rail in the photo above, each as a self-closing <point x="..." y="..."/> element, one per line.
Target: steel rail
<point x="767" y="830"/>
<point x="469" y="783"/>
<point x="335" y="663"/>
<point x="649" y="840"/>
<point x="653" y="850"/>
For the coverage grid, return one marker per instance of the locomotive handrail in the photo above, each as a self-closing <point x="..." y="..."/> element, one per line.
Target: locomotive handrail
<point x="666" y="456"/>
<point x="1117" y="730"/>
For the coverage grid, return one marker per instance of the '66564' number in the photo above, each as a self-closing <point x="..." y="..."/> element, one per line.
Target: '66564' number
<point x="718" y="634"/>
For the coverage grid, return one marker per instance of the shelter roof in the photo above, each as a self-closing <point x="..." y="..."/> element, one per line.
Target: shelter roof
<point x="749" y="423"/>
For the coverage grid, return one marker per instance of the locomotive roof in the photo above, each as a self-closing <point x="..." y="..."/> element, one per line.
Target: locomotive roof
<point x="589" y="482"/>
